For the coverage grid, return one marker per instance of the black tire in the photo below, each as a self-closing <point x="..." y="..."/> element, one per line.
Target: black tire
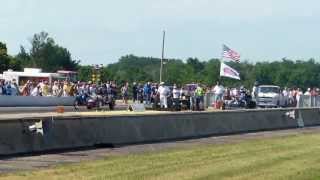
<point x="76" y="105"/>
<point x="99" y="105"/>
<point x="111" y="106"/>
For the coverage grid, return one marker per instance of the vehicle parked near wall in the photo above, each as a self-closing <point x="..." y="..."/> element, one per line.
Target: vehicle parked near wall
<point x="270" y="96"/>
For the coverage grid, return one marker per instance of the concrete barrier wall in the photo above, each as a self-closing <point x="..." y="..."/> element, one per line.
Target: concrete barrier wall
<point x="35" y="101"/>
<point x="311" y="117"/>
<point x="74" y="132"/>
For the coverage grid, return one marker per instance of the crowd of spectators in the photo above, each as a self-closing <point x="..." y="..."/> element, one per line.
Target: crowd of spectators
<point x="166" y="96"/>
<point x="148" y="93"/>
<point x="290" y="95"/>
<point x="57" y="88"/>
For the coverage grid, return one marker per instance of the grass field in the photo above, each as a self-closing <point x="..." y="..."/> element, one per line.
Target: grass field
<point x="293" y="157"/>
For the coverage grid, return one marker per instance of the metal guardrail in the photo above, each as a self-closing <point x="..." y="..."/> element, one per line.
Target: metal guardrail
<point x="209" y="99"/>
<point x="306" y="101"/>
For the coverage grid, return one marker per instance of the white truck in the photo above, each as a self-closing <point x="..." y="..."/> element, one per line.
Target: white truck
<point x="271" y="96"/>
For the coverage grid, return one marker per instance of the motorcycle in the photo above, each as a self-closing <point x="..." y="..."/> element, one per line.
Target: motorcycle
<point x="246" y="101"/>
<point x="243" y="101"/>
<point x="94" y="101"/>
<point x="110" y="101"/>
<point x="98" y="101"/>
<point x="80" y="100"/>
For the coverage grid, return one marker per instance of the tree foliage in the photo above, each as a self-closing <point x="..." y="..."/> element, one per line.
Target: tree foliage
<point x="4" y="58"/>
<point x="283" y="73"/>
<point x="44" y="53"/>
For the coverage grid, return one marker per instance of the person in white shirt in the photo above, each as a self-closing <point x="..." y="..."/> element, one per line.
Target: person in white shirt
<point x="298" y="94"/>
<point x="254" y="93"/>
<point x="175" y="92"/>
<point x="93" y="89"/>
<point x="176" y="96"/>
<point x="163" y="93"/>
<point x="218" y="91"/>
<point x="290" y="94"/>
<point x="308" y="92"/>
<point x="285" y="92"/>
<point x="55" y="89"/>
<point x="36" y="91"/>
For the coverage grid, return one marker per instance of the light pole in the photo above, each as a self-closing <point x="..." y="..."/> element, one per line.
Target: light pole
<point x="162" y="56"/>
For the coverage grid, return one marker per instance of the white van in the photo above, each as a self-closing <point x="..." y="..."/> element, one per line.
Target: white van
<point x="270" y="96"/>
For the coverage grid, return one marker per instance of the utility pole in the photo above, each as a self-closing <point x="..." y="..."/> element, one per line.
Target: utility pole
<point x="162" y="57"/>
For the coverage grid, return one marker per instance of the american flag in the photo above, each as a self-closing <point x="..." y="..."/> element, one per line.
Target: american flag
<point x="231" y="54"/>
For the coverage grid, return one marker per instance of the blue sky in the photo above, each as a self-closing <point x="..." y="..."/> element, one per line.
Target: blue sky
<point x="101" y="31"/>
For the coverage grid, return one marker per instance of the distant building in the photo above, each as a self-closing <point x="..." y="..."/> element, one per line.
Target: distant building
<point x="35" y="74"/>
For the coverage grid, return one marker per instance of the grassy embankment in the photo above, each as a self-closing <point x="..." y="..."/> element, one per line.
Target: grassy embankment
<point x="293" y="157"/>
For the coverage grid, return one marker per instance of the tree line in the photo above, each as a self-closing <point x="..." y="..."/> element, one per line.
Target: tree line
<point x="285" y="73"/>
<point x="45" y="53"/>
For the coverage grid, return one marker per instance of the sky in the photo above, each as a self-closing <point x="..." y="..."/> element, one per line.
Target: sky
<point x="101" y="31"/>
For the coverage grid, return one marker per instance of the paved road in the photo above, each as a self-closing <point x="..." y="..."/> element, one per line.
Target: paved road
<point x="12" y="164"/>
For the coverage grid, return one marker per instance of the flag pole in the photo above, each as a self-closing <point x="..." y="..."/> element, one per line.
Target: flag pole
<point x="221" y="61"/>
<point x="162" y="56"/>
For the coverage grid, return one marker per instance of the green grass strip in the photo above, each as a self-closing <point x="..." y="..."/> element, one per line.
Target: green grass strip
<point x="292" y="157"/>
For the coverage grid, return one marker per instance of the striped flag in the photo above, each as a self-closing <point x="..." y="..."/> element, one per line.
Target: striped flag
<point x="227" y="71"/>
<point x="230" y="54"/>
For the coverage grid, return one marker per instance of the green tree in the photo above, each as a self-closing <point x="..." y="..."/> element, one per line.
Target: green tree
<point x="4" y="57"/>
<point x="84" y="73"/>
<point x="48" y="55"/>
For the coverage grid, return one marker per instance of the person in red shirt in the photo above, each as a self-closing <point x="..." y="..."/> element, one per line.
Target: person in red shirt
<point x="314" y="92"/>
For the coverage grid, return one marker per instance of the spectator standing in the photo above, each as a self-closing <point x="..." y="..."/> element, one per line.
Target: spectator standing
<point x="218" y="91"/>
<point x="140" y="93"/>
<point x="93" y="89"/>
<point x="176" y="96"/>
<point x="298" y="94"/>
<point x="124" y="93"/>
<point x="25" y="91"/>
<point x="227" y="94"/>
<point x="163" y="92"/>
<point x="285" y="94"/>
<point x="134" y="92"/>
<point x="308" y="92"/>
<point x="45" y="88"/>
<point x="199" y="93"/>
<point x="147" y="92"/>
<point x="55" y="89"/>
<point x="317" y="91"/>
<point x="108" y="90"/>
<point x="314" y="92"/>
<point x="14" y="88"/>
<point x="2" y="88"/>
<point x="36" y="91"/>
<point x="254" y="93"/>
<point x="8" y="89"/>
<point x="87" y="87"/>
<point x="154" y="92"/>
<point x="66" y="88"/>
<point x="113" y="86"/>
<point x="73" y="89"/>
